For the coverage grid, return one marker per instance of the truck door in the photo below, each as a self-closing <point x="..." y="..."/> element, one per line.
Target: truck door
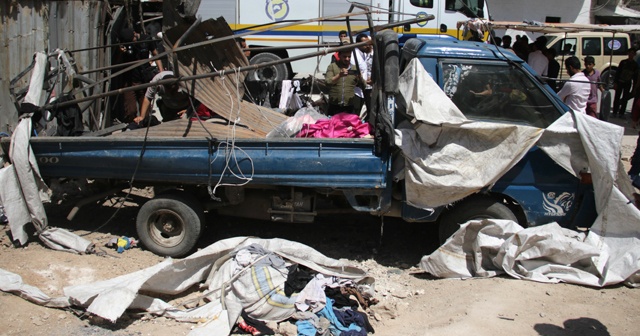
<point x="503" y="93"/>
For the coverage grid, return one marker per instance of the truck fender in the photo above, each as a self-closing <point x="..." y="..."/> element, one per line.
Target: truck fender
<point x="474" y="207"/>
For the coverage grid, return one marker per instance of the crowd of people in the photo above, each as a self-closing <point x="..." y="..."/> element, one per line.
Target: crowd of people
<point x="580" y="92"/>
<point x="348" y="78"/>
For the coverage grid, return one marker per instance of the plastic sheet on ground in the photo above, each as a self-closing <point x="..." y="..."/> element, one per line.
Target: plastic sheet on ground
<point x="229" y="288"/>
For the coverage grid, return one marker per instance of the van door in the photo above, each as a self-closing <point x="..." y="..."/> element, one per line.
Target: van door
<point x="614" y="51"/>
<point x="565" y="48"/>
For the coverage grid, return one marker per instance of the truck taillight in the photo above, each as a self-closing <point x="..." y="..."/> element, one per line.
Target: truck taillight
<point x="585" y="178"/>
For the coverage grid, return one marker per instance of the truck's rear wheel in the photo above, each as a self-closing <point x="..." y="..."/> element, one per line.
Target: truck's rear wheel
<point x="278" y="72"/>
<point x="170" y="224"/>
<point x="470" y="209"/>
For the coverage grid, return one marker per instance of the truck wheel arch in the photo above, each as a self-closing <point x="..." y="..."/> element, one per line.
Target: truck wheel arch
<point x="478" y="207"/>
<point x="170" y="224"/>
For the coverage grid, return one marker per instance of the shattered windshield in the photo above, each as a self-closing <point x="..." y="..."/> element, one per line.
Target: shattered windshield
<point x="497" y="92"/>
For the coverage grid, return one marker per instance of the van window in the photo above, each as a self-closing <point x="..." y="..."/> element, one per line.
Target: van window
<point x="618" y="44"/>
<point x="565" y="46"/>
<point x="497" y="92"/>
<point x="591" y="46"/>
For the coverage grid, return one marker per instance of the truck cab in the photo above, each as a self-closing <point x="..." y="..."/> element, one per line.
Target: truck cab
<point x="536" y="190"/>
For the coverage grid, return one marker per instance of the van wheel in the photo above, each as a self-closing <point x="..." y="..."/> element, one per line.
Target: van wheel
<point x="170" y="224"/>
<point x="278" y="72"/>
<point x="607" y="77"/>
<point x="470" y="209"/>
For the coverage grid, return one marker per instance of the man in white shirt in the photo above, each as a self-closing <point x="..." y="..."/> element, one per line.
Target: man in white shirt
<point x="364" y="57"/>
<point x="576" y="91"/>
<point x="537" y="60"/>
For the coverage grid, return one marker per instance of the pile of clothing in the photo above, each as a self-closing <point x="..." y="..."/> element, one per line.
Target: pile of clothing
<point x="271" y="289"/>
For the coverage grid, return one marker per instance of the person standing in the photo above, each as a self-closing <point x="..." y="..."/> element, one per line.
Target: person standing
<point x="623" y="82"/>
<point x="343" y="38"/>
<point x="593" y="75"/>
<point x="363" y="61"/>
<point x="554" y="68"/>
<point x="506" y="42"/>
<point x="342" y="81"/>
<point x="575" y="92"/>
<point x="141" y="74"/>
<point x="537" y="60"/>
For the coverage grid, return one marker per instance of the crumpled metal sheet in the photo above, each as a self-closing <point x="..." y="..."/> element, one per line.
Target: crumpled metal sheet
<point x="222" y="94"/>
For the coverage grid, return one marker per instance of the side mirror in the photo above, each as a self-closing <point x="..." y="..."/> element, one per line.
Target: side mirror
<point x="443" y="28"/>
<point x="406" y="27"/>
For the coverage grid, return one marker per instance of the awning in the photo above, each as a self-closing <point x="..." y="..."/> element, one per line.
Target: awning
<point x="545" y="28"/>
<point x="618" y="11"/>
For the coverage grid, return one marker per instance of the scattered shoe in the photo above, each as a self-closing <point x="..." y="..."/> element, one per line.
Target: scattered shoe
<point x="242" y="325"/>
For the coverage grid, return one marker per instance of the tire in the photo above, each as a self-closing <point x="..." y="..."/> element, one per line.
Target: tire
<point x="605" y="105"/>
<point x="387" y="41"/>
<point x="278" y="72"/>
<point x="170" y="224"/>
<point x="607" y="77"/>
<point x="473" y="208"/>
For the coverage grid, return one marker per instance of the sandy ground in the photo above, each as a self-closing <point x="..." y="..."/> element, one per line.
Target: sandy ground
<point x="411" y="302"/>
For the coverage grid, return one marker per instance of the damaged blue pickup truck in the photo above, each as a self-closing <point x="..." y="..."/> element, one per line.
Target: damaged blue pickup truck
<point x="297" y="179"/>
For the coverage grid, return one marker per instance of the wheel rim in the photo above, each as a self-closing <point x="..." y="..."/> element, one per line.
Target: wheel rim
<point x="166" y="228"/>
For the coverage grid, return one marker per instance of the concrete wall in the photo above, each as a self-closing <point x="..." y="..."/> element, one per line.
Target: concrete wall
<point x="570" y="11"/>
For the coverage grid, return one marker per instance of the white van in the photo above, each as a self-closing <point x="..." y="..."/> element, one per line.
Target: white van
<point x="607" y="50"/>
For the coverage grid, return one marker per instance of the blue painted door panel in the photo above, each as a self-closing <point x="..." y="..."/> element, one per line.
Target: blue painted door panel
<point x="545" y="191"/>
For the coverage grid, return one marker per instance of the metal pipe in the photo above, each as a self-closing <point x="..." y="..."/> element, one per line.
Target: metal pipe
<point x="120" y="65"/>
<point x="398" y="23"/>
<point x="215" y="40"/>
<point x="114" y="45"/>
<point x="201" y="76"/>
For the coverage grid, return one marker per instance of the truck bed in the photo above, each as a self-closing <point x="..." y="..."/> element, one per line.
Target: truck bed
<point x="185" y="153"/>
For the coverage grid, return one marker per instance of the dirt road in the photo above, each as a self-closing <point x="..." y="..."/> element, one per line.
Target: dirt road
<point x="411" y="302"/>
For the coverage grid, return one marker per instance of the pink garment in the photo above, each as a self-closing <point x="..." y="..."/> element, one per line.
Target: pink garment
<point x="341" y="125"/>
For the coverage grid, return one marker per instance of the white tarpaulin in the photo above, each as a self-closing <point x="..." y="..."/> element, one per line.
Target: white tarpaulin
<point x="23" y="191"/>
<point x="609" y="254"/>
<point x="444" y="152"/>
<point x="230" y="285"/>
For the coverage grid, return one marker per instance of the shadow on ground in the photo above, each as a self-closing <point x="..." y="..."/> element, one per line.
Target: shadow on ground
<point x="583" y="326"/>
<point x="391" y="242"/>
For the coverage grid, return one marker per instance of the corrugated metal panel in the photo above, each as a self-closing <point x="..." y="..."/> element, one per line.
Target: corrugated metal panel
<point x="38" y="25"/>
<point x="23" y="31"/>
<point x="222" y="95"/>
<point x="78" y="25"/>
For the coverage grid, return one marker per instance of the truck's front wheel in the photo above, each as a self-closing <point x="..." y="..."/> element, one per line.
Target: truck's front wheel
<point x="470" y="209"/>
<point x="170" y="225"/>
